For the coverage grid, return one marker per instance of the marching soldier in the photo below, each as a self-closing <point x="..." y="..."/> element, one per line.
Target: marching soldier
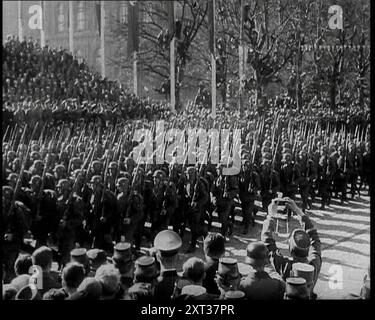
<point x="165" y="201"/>
<point x="197" y="197"/>
<point x="289" y="176"/>
<point x="13" y="228"/>
<point x="353" y="164"/>
<point x="224" y="190"/>
<point x="269" y="182"/>
<point x="70" y="210"/>
<point x="249" y="185"/>
<point x="341" y="179"/>
<point x="308" y="175"/>
<point x="103" y="214"/>
<point x="43" y="210"/>
<point x="135" y="216"/>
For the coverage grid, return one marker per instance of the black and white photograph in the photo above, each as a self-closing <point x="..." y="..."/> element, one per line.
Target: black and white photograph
<point x="183" y="152"/>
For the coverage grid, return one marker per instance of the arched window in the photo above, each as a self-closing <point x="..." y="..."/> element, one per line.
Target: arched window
<point x="124" y="12"/>
<point x="60" y="18"/>
<point x="81" y="16"/>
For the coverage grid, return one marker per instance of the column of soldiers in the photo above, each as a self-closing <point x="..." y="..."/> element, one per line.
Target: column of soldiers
<point x="91" y="193"/>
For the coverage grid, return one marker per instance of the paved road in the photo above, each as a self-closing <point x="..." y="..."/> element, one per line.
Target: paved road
<point x="345" y="234"/>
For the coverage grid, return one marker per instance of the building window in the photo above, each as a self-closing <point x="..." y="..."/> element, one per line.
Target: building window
<point x="124" y="12"/>
<point x="81" y="16"/>
<point x="60" y="18"/>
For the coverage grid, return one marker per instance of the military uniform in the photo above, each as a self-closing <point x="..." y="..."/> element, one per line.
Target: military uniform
<point x="270" y="184"/>
<point x="249" y="185"/>
<point x="196" y="197"/>
<point x="71" y="214"/>
<point x="224" y="189"/>
<point x="308" y="176"/>
<point x="13" y="229"/>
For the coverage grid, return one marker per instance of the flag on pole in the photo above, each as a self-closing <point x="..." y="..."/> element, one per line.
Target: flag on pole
<point x="133" y="20"/>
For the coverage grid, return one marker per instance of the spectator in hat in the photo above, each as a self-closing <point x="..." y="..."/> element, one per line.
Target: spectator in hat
<point x="227" y="277"/>
<point x="79" y="255"/>
<point x="304" y="244"/>
<point x="167" y="244"/>
<point x="145" y="277"/>
<point x="42" y="260"/>
<point x="97" y="258"/>
<point x="122" y="260"/>
<point x="214" y="249"/>
<point x="259" y="285"/>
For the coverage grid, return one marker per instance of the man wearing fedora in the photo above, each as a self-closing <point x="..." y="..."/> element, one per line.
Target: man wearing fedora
<point x="304" y="245"/>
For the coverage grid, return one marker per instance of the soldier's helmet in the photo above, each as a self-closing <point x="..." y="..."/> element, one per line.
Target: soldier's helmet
<point x="35" y="155"/>
<point x="11" y="155"/>
<point x="159" y="174"/>
<point x="76" y="161"/>
<point x="96" y="165"/>
<point x="267" y="156"/>
<point x="286" y="144"/>
<point x="12" y="177"/>
<point x="112" y="165"/>
<point x="122" y="182"/>
<point x="63" y="184"/>
<point x="7" y="192"/>
<point x="59" y="169"/>
<point x="36" y="179"/>
<point x="38" y="164"/>
<point x="96" y="180"/>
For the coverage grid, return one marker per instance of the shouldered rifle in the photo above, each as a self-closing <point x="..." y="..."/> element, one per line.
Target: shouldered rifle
<point x="23" y="166"/>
